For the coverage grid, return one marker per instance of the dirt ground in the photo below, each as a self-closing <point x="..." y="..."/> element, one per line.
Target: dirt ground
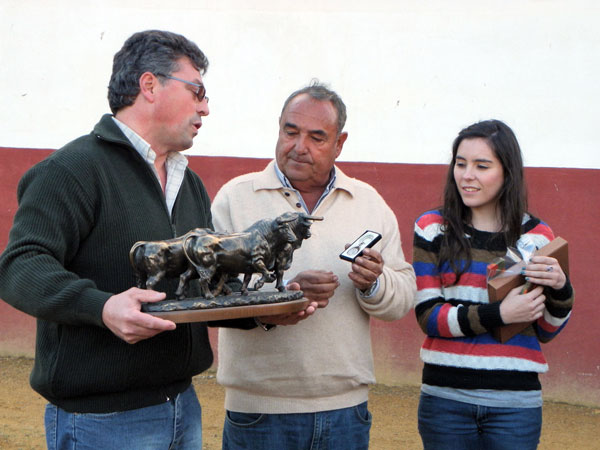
<point x="393" y="407"/>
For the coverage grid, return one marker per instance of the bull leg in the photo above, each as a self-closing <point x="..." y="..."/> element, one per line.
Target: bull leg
<point x="205" y="274"/>
<point x="184" y="278"/>
<point x="247" y="277"/>
<point x="140" y="280"/>
<point x="268" y="278"/>
<point x="206" y="289"/>
<point x="204" y="277"/>
<point x="226" y="290"/>
<point x="220" y="285"/>
<point x="259" y="283"/>
<point x="223" y="286"/>
<point x="282" y="263"/>
<point x="260" y="267"/>
<point x="154" y="279"/>
<point x="279" y="285"/>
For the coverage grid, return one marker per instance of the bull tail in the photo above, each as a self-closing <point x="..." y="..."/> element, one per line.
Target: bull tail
<point x="132" y="252"/>
<point x="205" y="273"/>
<point x="185" y="244"/>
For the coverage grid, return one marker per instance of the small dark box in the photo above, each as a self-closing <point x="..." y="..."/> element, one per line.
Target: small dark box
<point x="498" y="288"/>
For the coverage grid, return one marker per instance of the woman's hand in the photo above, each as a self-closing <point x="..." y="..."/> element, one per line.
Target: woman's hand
<point x="519" y="308"/>
<point x="545" y="271"/>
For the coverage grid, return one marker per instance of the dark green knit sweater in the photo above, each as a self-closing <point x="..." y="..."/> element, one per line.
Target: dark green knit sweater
<point x="80" y="211"/>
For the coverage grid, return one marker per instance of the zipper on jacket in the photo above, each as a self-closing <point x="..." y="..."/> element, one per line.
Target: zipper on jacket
<point x="130" y="147"/>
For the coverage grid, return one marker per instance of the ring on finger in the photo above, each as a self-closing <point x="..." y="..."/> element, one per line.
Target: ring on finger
<point x="549" y="269"/>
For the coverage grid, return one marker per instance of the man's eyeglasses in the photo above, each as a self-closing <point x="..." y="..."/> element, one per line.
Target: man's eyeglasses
<point x="200" y="91"/>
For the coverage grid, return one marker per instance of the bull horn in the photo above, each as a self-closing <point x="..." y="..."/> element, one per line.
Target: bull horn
<point x="314" y="217"/>
<point x="280" y="220"/>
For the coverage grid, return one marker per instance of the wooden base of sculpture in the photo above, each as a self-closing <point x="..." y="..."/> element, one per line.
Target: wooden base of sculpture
<point x="235" y="306"/>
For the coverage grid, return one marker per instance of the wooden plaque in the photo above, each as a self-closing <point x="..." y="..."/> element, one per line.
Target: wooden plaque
<point x="232" y="312"/>
<point x="498" y="288"/>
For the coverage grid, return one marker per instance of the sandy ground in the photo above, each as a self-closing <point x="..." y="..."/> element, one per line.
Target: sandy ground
<point x="393" y="407"/>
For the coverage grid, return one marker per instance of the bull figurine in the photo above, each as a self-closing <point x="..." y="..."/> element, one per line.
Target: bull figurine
<point x="266" y="247"/>
<point x="300" y="228"/>
<point x="154" y="260"/>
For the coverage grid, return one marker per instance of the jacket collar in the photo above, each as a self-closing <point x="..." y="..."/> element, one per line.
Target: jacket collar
<point x="267" y="179"/>
<point x="108" y="130"/>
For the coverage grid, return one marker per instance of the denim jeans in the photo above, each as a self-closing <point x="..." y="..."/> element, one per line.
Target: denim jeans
<point x="340" y="429"/>
<point x="451" y="425"/>
<point x="175" y="424"/>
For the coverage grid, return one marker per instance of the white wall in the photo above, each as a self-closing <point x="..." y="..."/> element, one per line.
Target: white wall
<point x="411" y="72"/>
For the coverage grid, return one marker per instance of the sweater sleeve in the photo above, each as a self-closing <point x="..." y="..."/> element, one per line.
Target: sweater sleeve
<point x="53" y="218"/>
<point x="559" y="304"/>
<point x="446" y="308"/>
<point x="397" y="288"/>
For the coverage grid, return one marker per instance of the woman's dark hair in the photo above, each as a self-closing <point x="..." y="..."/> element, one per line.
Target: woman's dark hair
<point x="152" y="51"/>
<point x="512" y="198"/>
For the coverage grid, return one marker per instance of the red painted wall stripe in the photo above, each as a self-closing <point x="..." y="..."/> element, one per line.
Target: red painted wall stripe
<point x="566" y="199"/>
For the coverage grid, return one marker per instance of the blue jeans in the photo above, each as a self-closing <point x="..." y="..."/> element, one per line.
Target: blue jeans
<point x="451" y="425"/>
<point x="175" y="424"/>
<point x="340" y="429"/>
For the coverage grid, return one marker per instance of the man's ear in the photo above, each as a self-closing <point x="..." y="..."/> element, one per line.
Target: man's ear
<point x="148" y="84"/>
<point x="340" y="143"/>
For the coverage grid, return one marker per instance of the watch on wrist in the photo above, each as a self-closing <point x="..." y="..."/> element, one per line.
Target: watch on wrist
<point x="264" y="326"/>
<point x="368" y="291"/>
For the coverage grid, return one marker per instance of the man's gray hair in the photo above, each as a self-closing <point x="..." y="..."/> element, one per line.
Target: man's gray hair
<point x="320" y="91"/>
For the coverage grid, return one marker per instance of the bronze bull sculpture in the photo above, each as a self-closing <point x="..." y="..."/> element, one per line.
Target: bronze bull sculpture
<point x="154" y="260"/>
<point x="266" y="247"/>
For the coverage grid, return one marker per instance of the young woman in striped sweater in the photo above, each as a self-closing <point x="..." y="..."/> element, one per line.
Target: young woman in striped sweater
<point x="478" y="393"/>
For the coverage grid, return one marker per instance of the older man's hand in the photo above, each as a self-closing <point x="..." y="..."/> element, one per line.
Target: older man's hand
<point x="366" y="269"/>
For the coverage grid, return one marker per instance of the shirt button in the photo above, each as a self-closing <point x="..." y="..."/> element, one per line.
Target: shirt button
<point x="298" y="205"/>
<point x="287" y="194"/>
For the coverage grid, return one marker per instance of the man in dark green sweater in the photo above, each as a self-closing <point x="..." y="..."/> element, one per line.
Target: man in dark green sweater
<point x="115" y="377"/>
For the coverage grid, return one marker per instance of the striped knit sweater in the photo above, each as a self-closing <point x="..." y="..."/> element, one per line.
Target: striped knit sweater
<point x="456" y="316"/>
